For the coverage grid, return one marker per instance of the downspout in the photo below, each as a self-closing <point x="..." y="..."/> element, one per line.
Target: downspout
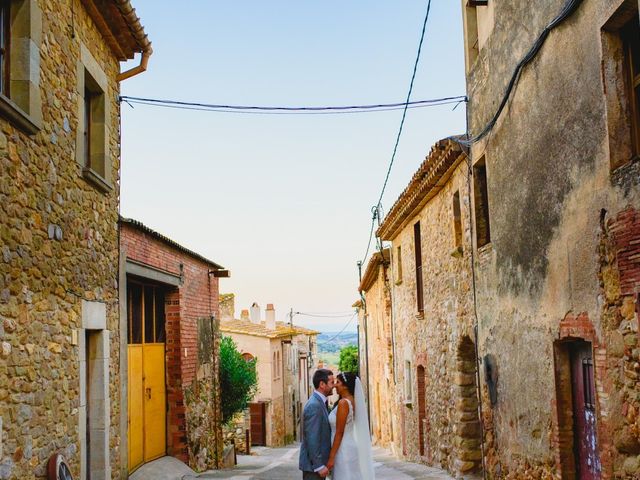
<point x="142" y="67"/>
<point x="137" y="30"/>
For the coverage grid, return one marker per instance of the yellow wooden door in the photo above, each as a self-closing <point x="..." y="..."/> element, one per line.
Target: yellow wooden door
<point x="147" y="392"/>
<point x="154" y="401"/>
<point x="136" y="412"/>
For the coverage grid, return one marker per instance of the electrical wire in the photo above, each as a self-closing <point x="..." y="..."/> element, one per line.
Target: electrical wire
<point x="569" y="7"/>
<point x="341" y="331"/>
<point x="318" y="315"/>
<point x="376" y="208"/>
<point x="271" y="110"/>
<point x="407" y="103"/>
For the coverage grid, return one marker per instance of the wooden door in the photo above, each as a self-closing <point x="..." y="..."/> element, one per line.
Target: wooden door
<point x="422" y="409"/>
<point x="584" y="412"/>
<point x="135" y="431"/>
<point x="258" y="424"/>
<point x="154" y="402"/>
<point x="146" y="368"/>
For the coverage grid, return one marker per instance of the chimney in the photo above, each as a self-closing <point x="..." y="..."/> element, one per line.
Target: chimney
<point x="227" y="306"/>
<point x="255" y="313"/>
<point x="244" y="315"/>
<point x="270" y="317"/>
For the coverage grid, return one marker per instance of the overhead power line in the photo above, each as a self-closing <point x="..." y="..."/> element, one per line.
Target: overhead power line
<point x="377" y="207"/>
<point x="340" y="332"/>
<point x="406" y="104"/>
<point x="288" y="110"/>
<point x="328" y="315"/>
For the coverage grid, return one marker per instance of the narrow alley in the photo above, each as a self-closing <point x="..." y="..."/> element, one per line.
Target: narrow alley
<point x="282" y="463"/>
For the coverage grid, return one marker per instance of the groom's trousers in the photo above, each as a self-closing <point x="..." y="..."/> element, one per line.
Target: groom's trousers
<point x="311" y="476"/>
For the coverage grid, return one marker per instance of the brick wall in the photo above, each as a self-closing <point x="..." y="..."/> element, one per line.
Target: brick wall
<point x="197" y="297"/>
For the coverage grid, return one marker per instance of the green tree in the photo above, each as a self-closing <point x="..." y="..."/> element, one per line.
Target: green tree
<point x="238" y="379"/>
<point x="348" y="359"/>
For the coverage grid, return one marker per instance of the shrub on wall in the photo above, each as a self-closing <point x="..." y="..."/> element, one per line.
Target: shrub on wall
<point x="238" y="379"/>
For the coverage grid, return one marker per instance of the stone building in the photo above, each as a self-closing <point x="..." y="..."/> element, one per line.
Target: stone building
<point x="556" y="204"/>
<point x="429" y="278"/>
<point x="376" y="338"/>
<point x="283" y="364"/>
<point x="169" y="319"/>
<point x="59" y="192"/>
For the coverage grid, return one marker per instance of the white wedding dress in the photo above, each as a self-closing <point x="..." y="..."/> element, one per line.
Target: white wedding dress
<point x="354" y="457"/>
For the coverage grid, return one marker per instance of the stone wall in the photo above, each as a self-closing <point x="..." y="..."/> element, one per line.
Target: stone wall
<point x="235" y="432"/>
<point x="380" y="375"/>
<point x="435" y="349"/>
<point x="555" y="263"/>
<point x="59" y="247"/>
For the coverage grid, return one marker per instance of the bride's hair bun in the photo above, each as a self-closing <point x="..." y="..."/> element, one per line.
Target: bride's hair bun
<point x="349" y="379"/>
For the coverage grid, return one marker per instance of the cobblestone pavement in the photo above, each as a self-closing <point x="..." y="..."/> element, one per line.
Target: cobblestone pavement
<point x="282" y="464"/>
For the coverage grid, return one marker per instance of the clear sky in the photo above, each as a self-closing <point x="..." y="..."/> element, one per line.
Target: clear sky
<point x="284" y="201"/>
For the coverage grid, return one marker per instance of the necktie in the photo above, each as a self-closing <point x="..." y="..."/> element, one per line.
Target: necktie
<point x="326" y="404"/>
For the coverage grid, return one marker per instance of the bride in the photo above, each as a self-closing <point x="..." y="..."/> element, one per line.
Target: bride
<point x="350" y="457"/>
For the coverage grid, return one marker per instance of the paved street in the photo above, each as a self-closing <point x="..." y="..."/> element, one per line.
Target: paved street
<point x="282" y="463"/>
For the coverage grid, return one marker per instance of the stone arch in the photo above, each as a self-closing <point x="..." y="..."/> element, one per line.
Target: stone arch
<point x="468" y="431"/>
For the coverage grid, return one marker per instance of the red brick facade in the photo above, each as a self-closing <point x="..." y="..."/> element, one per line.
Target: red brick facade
<point x="195" y="298"/>
<point x="625" y="230"/>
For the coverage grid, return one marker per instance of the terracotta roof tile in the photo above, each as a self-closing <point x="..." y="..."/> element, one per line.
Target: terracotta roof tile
<point x="430" y="177"/>
<point x="260" y="330"/>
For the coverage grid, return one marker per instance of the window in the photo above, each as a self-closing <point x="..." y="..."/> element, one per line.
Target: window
<point x="457" y="222"/>
<point x="20" y="39"/>
<point x="247" y="357"/>
<point x="417" y="242"/>
<point x="94" y="158"/>
<point x="631" y="40"/>
<point x="275" y="366"/>
<point x="94" y="114"/>
<point x="398" y="265"/>
<point x="5" y="46"/>
<point x="481" y="203"/>
<point x="478" y="24"/>
<point x="621" y="82"/>
<point x="408" y="383"/>
<point x="587" y="384"/>
<point x="145" y="313"/>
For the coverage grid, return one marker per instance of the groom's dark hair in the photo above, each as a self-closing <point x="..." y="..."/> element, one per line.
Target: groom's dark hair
<point x="321" y="375"/>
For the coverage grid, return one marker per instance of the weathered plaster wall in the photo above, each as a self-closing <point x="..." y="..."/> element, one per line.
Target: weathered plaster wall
<point x="43" y="280"/>
<point x="548" y="166"/>
<point x="434" y="339"/>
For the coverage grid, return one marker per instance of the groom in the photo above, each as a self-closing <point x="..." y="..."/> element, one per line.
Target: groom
<point x="316" y="431"/>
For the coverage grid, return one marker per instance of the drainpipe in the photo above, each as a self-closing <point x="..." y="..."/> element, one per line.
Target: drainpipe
<point x="475" y="300"/>
<point x="142" y="67"/>
<point x="133" y="22"/>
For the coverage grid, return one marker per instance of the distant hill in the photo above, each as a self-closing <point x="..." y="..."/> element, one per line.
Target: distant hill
<point x="332" y="342"/>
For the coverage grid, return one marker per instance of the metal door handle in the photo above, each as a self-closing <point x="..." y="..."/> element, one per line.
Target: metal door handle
<point x="148" y="392"/>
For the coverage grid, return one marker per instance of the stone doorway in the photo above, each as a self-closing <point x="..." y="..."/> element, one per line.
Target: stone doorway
<point x="468" y="430"/>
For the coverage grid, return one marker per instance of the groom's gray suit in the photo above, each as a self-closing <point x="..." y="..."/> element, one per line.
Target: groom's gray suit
<point x="316" y="437"/>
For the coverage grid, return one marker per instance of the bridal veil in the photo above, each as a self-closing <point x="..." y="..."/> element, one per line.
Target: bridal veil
<point x="363" y="437"/>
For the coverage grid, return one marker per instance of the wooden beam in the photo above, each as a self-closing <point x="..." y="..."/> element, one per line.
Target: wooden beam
<point x="478" y="3"/>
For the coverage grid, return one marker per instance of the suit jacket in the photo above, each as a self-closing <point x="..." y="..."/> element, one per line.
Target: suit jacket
<point x="316" y="435"/>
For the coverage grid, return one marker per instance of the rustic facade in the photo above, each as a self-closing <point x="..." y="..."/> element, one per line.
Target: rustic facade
<point x="169" y="299"/>
<point x="376" y="351"/>
<point x="59" y="154"/>
<point x="556" y="235"/>
<point x="283" y="364"/>
<point x="429" y="278"/>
